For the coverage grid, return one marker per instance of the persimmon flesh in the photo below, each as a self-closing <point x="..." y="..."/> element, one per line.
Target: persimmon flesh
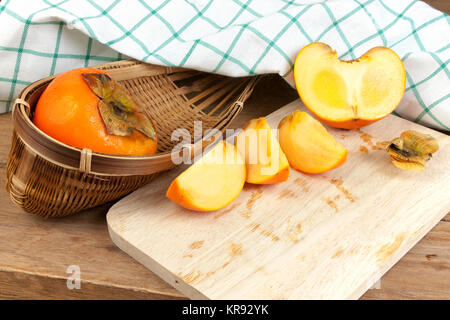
<point x="308" y="146"/>
<point x="264" y="159"/>
<point x="349" y="94"/>
<point x="212" y="182"/>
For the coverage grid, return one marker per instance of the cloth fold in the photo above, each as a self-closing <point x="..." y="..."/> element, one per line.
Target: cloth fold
<point x="232" y="37"/>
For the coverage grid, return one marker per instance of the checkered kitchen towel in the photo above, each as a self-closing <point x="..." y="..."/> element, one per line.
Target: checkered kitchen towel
<point x="233" y="37"/>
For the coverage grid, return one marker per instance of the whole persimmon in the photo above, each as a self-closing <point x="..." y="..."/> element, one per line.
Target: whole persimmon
<point x="85" y="108"/>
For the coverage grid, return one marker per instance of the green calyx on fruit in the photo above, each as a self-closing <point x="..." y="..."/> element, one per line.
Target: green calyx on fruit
<point x="120" y="113"/>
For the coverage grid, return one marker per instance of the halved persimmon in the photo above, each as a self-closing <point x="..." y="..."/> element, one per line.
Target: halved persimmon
<point x="349" y="94"/>
<point x="308" y="146"/>
<point x="264" y="159"/>
<point x="85" y="108"/>
<point x="212" y="182"/>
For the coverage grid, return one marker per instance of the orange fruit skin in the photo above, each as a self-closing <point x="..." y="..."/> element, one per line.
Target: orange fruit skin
<point x="177" y="195"/>
<point x="210" y="184"/>
<point x="296" y="135"/>
<point x="67" y="111"/>
<point x="341" y="161"/>
<point x="352" y="124"/>
<point x="281" y="176"/>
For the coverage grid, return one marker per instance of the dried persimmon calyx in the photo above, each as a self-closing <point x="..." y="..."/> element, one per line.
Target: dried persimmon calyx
<point x="411" y="150"/>
<point x="113" y="120"/>
<point x="120" y="113"/>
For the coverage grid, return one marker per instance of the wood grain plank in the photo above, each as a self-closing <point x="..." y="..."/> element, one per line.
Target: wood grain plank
<point x="22" y="254"/>
<point x="411" y="277"/>
<point x="336" y="252"/>
<point x="45" y="248"/>
<point x="23" y="285"/>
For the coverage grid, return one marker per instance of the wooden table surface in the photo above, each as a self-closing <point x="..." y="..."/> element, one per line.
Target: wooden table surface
<point x="35" y="253"/>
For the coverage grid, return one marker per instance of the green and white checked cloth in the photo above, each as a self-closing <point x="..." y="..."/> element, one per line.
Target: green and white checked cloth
<point x="232" y="37"/>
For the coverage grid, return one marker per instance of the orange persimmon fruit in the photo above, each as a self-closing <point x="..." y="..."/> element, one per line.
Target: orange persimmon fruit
<point x="349" y="94"/>
<point x="212" y="182"/>
<point x="75" y="105"/>
<point x="264" y="159"/>
<point x="308" y="146"/>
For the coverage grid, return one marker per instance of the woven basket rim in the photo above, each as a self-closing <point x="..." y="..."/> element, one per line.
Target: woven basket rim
<point x="20" y="114"/>
<point x="62" y="144"/>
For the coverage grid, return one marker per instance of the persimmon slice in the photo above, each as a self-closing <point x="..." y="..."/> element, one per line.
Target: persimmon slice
<point x="264" y="159"/>
<point x="307" y="144"/>
<point x="212" y="182"/>
<point x="349" y="94"/>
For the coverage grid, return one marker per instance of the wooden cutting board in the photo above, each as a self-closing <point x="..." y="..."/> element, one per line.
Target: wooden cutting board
<point x="327" y="236"/>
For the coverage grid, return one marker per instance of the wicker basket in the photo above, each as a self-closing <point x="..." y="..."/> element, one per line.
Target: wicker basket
<point x="50" y="179"/>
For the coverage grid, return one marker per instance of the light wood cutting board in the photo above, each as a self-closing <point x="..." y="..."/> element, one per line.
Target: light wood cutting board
<point x="327" y="236"/>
